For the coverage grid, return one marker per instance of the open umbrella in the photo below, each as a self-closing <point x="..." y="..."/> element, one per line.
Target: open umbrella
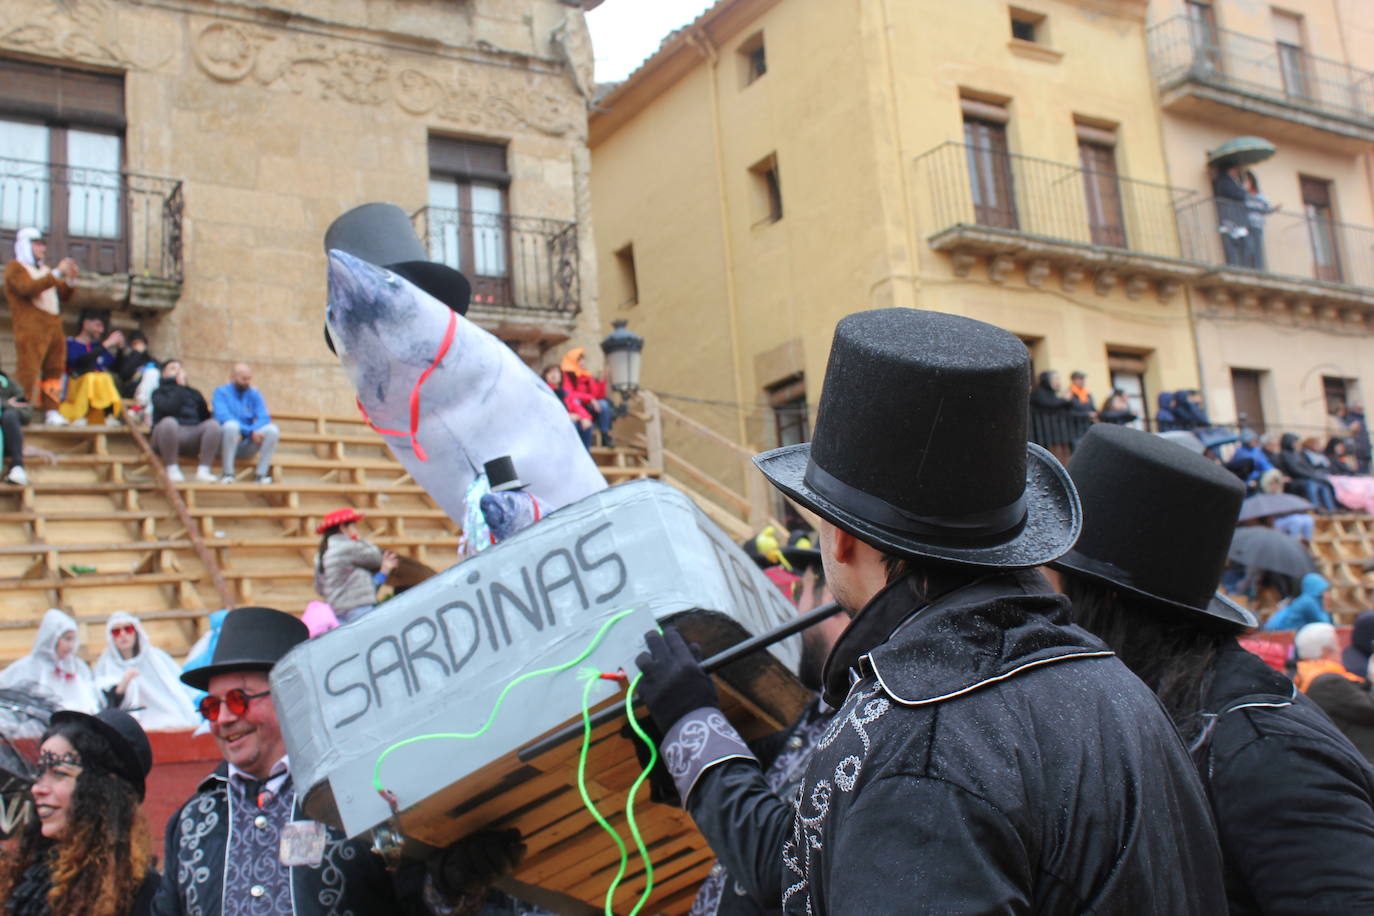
<point x="1241" y="151"/>
<point x="1265" y="548"/>
<point x="1269" y="505"/>
<point x="1184" y="438"/>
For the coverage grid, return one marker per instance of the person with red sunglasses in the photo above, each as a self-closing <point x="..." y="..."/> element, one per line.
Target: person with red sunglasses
<point x="142" y="679"/>
<point x="242" y="843"/>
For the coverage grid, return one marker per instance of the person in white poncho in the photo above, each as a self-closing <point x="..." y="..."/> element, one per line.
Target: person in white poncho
<point x="54" y="669"/>
<point x="141" y="678"/>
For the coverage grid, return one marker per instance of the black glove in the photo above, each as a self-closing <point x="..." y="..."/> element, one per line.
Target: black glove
<point x="473" y="862"/>
<point x="674" y="683"/>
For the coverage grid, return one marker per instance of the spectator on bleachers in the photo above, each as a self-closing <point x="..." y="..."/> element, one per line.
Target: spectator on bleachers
<point x="1304" y="609"/>
<point x="589" y="391"/>
<point x="1051" y="421"/>
<point x="33" y="292"/>
<point x="15" y="411"/>
<point x="1358" y="441"/>
<point x="1356" y="656"/>
<point x="182" y="425"/>
<point x="1338" y="454"/>
<point x="1117" y="409"/>
<point x="1318" y="652"/>
<point x="349" y="570"/>
<point x="92" y="394"/>
<point x="142" y="679"/>
<point x="1165" y="417"/>
<point x="1313" y="483"/>
<point x="1347" y="700"/>
<point x="246" y="428"/>
<point x="581" y="418"/>
<point x="53" y="668"/>
<point x="136" y="372"/>
<point x="1248" y="461"/>
<point x="1080" y="398"/>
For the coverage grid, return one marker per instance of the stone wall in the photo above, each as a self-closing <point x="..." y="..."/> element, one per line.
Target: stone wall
<point x="279" y="116"/>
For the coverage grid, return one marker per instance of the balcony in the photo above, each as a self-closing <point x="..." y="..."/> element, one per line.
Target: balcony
<point x="523" y="269"/>
<point x="1230" y="78"/>
<point x="1089" y="225"/>
<point x="1302" y="259"/>
<point x="123" y="229"/>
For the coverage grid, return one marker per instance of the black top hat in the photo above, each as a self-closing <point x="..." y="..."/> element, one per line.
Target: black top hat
<point x="920" y="445"/>
<point x="1158" y="521"/>
<point x="251" y="639"/>
<point x="501" y="474"/>
<point x="382" y="234"/>
<point x="133" y="755"/>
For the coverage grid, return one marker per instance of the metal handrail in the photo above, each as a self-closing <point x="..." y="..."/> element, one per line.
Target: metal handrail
<point x="1182" y="49"/>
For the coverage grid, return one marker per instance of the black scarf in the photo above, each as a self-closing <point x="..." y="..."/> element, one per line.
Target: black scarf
<point x="30" y="894"/>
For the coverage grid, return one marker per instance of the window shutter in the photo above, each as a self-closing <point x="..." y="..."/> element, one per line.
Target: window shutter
<point x="53" y="94"/>
<point x="468" y="159"/>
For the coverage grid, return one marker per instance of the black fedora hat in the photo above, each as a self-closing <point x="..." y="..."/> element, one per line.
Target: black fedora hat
<point x="250" y="639"/>
<point x="382" y="234"/>
<point x="920" y="445"/>
<point x="133" y="755"/>
<point x="1158" y="521"/>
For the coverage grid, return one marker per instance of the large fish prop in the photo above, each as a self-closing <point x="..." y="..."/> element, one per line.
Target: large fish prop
<point x="447" y="395"/>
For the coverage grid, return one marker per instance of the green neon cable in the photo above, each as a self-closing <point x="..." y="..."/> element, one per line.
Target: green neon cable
<point x="501" y="698"/>
<point x="587" y="799"/>
<point x="634" y="789"/>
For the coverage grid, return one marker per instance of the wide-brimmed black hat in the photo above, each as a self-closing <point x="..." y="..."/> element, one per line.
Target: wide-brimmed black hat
<point x="133" y="755"/>
<point x="920" y="445"/>
<point x="382" y="234"/>
<point x="250" y="639"/>
<point x="1158" y="521"/>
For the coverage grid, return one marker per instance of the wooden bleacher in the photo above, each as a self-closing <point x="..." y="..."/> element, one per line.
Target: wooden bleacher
<point x="95" y="533"/>
<point x="1341" y="544"/>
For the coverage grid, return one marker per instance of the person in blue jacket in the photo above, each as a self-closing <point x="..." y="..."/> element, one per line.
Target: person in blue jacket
<point x="1304" y="609"/>
<point x="246" y="428"/>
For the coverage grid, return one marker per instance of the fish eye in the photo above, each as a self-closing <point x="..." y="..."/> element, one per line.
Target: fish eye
<point x="389" y="278"/>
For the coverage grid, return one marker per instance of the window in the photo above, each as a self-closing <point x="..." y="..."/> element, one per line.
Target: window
<point x="1339" y="392"/>
<point x="468" y="225"/>
<point x="1027" y="25"/>
<point x="629" y="281"/>
<point x="1202" y="28"/>
<point x="61" y="155"/>
<point x="1101" y="188"/>
<point x="1292" y="59"/>
<point x="753" y="61"/>
<point x="767" y="187"/>
<point x="1246" y="385"/>
<point x="787" y="398"/>
<point x="1128" y="370"/>
<point x="989" y="163"/>
<point x="1321" y="228"/>
<point x="1033" y="345"/>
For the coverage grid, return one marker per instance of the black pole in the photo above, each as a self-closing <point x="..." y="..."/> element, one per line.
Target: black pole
<point x="710" y="665"/>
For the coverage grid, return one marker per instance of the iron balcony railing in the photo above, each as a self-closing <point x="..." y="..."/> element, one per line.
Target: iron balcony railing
<point x="108" y="222"/>
<point x="1182" y="49"/>
<point x="515" y="262"/>
<point x="1291" y="243"/>
<point x="981" y="186"/>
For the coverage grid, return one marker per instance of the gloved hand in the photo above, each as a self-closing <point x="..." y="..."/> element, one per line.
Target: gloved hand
<point x="472" y="863"/>
<point x="674" y="683"/>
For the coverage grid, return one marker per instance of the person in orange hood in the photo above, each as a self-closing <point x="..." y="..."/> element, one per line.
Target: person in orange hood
<point x="590" y="392"/>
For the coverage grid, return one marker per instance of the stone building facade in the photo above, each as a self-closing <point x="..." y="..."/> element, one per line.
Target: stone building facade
<point x="240" y="130"/>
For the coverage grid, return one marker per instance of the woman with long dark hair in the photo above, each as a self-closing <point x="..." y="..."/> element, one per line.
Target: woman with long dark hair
<point x="1292" y="798"/>
<point x="87" y="851"/>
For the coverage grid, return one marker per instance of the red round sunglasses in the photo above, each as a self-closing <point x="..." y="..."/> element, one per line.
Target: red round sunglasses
<point x="127" y="629"/>
<point x="237" y="700"/>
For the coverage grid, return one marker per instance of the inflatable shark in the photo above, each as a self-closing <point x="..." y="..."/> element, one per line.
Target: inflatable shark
<point x="447" y="395"/>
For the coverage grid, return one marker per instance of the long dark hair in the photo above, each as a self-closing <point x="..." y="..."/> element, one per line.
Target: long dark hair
<point x="324" y="545"/>
<point x="1172" y="653"/>
<point x="96" y="869"/>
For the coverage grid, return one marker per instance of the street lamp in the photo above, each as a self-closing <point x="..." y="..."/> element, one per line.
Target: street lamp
<point x="622" y="348"/>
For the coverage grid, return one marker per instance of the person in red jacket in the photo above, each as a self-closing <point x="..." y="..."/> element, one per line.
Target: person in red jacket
<point x="581" y="418"/>
<point x="589" y="391"/>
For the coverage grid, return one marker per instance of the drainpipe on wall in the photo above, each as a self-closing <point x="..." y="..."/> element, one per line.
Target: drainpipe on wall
<point x="702" y="42"/>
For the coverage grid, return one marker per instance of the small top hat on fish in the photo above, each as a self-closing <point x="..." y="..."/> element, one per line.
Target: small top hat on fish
<point x="1158" y="522"/>
<point x="920" y="445"/>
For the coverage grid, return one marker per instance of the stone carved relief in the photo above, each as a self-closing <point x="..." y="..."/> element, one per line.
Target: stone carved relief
<point x="230" y="52"/>
<point x="80" y="30"/>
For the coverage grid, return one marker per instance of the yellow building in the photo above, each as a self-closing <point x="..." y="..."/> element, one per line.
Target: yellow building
<point x="778" y="164"/>
<point x="259" y="123"/>
<point x="1283" y="316"/>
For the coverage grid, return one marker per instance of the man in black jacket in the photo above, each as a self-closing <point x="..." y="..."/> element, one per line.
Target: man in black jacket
<point x="987" y="755"/>
<point x="182" y="425"/>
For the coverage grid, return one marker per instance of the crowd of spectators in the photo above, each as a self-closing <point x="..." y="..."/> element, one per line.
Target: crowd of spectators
<point x="584" y="397"/>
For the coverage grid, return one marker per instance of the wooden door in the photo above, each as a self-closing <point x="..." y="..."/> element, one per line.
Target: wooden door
<point x="1321" y="229"/>
<point x="1102" y="191"/>
<point x="1245" y="387"/>
<point x="990" y="175"/>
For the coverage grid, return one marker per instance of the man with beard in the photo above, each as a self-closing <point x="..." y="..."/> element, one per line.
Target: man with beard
<point x="749" y="869"/>
<point x="987" y="756"/>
